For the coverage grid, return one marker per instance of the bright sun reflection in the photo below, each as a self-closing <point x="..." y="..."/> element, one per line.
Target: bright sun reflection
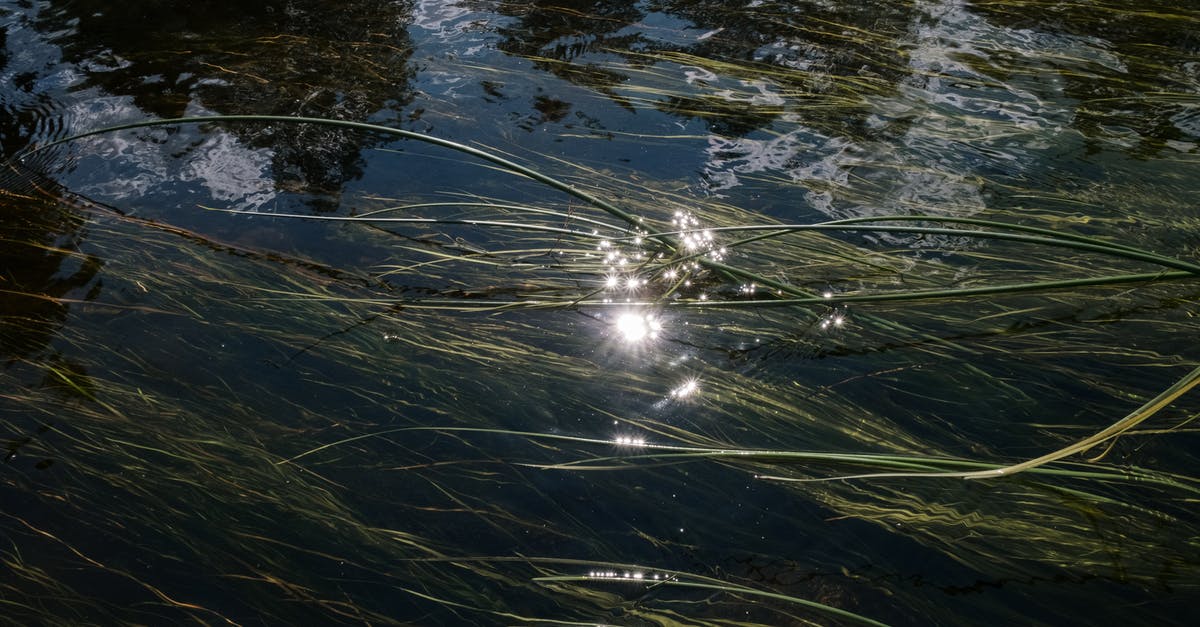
<point x="625" y="575"/>
<point x="688" y="388"/>
<point x="626" y="440"/>
<point x="636" y="327"/>
<point x="836" y="319"/>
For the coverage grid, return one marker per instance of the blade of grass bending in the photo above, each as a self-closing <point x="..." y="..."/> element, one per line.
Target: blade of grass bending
<point x="488" y="305"/>
<point x="1140" y="415"/>
<point x="683" y="578"/>
<point x="1148" y="277"/>
<point x="987" y="223"/>
<point x="1077" y="242"/>
<point x="489" y="205"/>
<point x="1153" y="406"/>
<point x="676" y="451"/>
<point x="663" y="239"/>
<point x="507" y="164"/>
<point x="730" y="589"/>
<point x="512" y="166"/>
<point x="520" y="226"/>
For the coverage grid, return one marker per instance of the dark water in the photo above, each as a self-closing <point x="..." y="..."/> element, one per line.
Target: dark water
<point x="244" y="418"/>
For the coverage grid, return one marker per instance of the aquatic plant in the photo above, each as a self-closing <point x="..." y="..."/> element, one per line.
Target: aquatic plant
<point x="492" y="383"/>
<point x="540" y="259"/>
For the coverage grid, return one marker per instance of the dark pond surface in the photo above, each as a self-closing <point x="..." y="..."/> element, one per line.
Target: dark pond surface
<point x="223" y="401"/>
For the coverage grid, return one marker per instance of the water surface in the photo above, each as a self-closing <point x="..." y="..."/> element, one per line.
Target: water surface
<point x="215" y="410"/>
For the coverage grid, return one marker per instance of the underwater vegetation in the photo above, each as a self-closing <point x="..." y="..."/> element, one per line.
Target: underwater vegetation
<point x="282" y="368"/>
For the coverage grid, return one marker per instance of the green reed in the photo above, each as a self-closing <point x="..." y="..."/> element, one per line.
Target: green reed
<point x="367" y="417"/>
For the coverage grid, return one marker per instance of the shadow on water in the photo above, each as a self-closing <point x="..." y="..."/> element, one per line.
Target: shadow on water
<point x="226" y="397"/>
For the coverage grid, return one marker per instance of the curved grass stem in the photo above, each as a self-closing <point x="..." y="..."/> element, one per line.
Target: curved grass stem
<point x="916" y="466"/>
<point x="484" y="155"/>
<point x="729" y="588"/>
<point x="1040" y="237"/>
<point x="1025" y="234"/>
<point x="1140" y="415"/>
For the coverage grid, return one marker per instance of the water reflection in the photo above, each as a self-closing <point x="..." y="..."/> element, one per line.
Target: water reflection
<point x="1135" y="70"/>
<point x="44" y="269"/>
<point x="43" y="266"/>
<point x="839" y="108"/>
<point x="941" y="107"/>
<point x="696" y="239"/>
<point x="629" y="441"/>
<point x="625" y="575"/>
<point x="835" y="320"/>
<point x="687" y="389"/>
<point x="635" y="327"/>
<point x="347" y="61"/>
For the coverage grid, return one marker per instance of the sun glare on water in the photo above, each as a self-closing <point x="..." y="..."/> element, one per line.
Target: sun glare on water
<point x="635" y="327"/>
<point x="686" y="389"/>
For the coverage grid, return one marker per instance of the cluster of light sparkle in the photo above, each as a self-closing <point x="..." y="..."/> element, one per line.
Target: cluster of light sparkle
<point x="619" y="263"/>
<point x="624" y="277"/>
<point x="834" y="320"/>
<point x="627" y="575"/>
<point x="696" y="239"/>
<point x="629" y="441"/>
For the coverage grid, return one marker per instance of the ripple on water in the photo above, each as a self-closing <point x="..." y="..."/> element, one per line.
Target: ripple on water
<point x="970" y="108"/>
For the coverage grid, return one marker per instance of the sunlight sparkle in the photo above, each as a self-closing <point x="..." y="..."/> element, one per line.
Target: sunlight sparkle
<point x="635" y="327"/>
<point x="628" y="440"/>
<point x="688" y="388"/>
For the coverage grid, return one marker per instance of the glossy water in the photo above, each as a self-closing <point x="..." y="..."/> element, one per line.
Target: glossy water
<point x="235" y="417"/>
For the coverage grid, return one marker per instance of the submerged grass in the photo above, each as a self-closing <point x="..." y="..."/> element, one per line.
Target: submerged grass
<point x="349" y="414"/>
<point x="345" y="332"/>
